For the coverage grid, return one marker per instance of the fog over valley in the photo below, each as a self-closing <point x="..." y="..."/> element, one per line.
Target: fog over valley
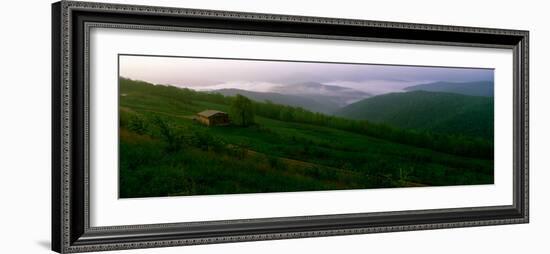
<point x="320" y="87"/>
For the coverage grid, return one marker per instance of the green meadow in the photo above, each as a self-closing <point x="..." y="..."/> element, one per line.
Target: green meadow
<point x="164" y="151"/>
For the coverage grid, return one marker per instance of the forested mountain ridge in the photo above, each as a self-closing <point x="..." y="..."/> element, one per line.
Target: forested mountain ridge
<point x="429" y="111"/>
<point x="477" y="88"/>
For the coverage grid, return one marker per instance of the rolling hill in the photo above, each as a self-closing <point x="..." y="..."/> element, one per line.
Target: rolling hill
<point x="311" y="96"/>
<point x="309" y="103"/>
<point x="432" y="111"/>
<point x="478" y="88"/>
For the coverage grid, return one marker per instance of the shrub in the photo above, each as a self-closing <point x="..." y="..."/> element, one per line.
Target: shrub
<point x="137" y="124"/>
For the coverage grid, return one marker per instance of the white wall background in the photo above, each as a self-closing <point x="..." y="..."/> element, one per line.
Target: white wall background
<point x="25" y="126"/>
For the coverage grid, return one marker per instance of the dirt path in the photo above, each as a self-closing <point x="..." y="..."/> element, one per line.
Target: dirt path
<point x="306" y="164"/>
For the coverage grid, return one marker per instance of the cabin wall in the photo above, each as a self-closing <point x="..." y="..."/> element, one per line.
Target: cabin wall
<point x="204" y="120"/>
<point x="219" y="119"/>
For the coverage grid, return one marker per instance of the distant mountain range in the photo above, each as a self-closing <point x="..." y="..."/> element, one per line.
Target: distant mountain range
<point x="338" y="95"/>
<point x="441" y="107"/>
<point x="311" y="96"/>
<point x="434" y="111"/>
<point x="305" y="102"/>
<point x="478" y="88"/>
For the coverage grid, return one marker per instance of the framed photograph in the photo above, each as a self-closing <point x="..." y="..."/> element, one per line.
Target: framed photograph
<point x="182" y="126"/>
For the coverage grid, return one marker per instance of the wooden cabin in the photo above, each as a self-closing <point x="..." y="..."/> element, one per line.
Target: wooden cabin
<point x="213" y="118"/>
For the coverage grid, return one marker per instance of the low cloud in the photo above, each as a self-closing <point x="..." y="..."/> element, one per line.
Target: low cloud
<point x="377" y="87"/>
<point x="255" y="86"/>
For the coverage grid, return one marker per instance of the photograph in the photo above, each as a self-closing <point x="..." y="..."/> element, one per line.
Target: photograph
<point x="206" y="126"/>
<point x="220" y="127"/>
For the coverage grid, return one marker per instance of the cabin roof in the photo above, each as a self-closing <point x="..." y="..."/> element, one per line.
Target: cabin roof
<point x="209" y="113"/>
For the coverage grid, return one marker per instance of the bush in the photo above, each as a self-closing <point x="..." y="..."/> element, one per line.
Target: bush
<point x="137" y="124"/>
<point x="173" y="138"/>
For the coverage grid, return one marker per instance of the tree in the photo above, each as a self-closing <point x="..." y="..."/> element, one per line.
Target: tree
<point x="242" y="111"/>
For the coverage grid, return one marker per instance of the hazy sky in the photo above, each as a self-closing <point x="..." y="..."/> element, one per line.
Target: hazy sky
<point x="206" y="74"/>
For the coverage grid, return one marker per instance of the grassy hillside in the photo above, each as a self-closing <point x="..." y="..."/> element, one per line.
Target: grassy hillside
<point x="429" y="111"/>
<point x="479" y="88"/>
<point x="164" y="152"/>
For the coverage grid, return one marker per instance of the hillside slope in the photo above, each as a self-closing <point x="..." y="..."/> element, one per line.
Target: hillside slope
<point x="432" y="111"/>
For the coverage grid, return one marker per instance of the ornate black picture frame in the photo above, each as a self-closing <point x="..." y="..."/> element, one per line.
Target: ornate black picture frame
<point x="71" y="230"/>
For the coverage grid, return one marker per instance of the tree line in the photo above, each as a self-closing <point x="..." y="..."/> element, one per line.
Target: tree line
<point x="242" y="113"/>
<point x="453" y="144"/>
